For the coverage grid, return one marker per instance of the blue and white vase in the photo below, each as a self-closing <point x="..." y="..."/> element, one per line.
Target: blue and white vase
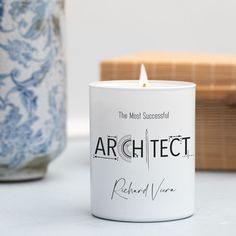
<point x="32" y="87"/>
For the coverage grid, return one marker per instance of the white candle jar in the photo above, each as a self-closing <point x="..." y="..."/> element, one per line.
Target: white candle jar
<point x="142" y="150"/>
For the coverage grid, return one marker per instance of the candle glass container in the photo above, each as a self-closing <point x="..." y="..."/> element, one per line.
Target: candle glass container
<point x="142" y="150"/>
<point x="32" y="85"/>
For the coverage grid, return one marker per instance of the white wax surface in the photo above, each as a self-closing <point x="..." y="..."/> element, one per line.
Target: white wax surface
<point x="134" y="84"/>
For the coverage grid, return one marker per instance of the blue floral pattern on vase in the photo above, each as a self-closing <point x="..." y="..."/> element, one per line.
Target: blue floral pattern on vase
<point x="32" y="81"/>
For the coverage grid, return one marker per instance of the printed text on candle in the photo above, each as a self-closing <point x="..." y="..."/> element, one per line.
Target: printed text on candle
<point x="129" y="149"/>
<point x="126" y="189"/>
<point x="143" y="115"/>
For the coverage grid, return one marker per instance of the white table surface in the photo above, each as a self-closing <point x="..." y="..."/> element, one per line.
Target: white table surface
<point x="59" y="204"/>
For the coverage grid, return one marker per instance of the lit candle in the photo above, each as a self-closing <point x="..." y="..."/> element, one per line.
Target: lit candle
<point x="143" y="79"/>
<point x="142" y="149"/>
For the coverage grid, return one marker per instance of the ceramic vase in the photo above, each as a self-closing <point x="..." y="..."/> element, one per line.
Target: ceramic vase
<point x="32" y="87"/>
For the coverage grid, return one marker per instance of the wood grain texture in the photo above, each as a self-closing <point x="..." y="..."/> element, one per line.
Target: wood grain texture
<point x="215" y="76"/>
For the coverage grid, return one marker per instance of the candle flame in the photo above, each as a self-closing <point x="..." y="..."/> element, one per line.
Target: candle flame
<point x="143" y="78"/>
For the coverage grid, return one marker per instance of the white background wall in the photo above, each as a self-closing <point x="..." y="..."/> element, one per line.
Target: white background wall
<point x="101" y="29"/>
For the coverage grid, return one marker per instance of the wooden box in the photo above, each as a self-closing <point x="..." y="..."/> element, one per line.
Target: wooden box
<point x="215" y="76"/>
